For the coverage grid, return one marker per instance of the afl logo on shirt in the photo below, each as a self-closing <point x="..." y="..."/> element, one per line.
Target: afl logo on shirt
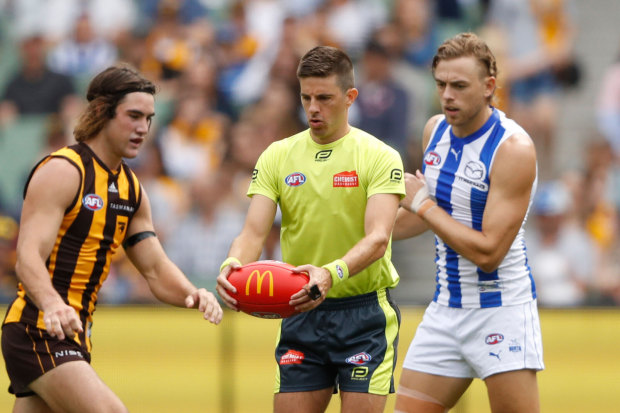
<point x="295" y="179"/>
<point x="93" y="202"/>
<point x="432" y="158"/>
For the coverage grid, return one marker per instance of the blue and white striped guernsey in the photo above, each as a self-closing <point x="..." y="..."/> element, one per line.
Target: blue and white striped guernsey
<point x="457" y="174"/>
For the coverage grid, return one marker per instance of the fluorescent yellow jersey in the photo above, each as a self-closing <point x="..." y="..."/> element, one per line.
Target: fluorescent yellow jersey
<point x="322" y="191"/>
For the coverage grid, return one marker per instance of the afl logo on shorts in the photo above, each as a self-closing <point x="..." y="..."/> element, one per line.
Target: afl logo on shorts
<point x="359" y="358"/>
<point x="495" y="338"/>
<point x="93" y="202"/>
<point x="295" y="179"/>
<point x="432" y="158"/>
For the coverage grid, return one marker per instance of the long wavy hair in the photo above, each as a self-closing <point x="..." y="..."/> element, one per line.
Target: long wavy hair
<point x="105" y="92"/>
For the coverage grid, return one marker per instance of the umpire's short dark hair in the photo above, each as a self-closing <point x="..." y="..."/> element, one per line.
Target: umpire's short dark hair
<point x="324" y="61"/>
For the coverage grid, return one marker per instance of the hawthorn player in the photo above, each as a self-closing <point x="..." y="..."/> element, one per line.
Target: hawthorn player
<point x="81" y="203"/>
<point x="338" y="189"/>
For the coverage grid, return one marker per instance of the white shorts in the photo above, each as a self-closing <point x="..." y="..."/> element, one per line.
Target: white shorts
<point x="476" y="342"/>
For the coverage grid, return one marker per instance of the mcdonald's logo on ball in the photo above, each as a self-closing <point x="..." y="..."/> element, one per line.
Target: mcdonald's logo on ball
<point x="264" y="288"/>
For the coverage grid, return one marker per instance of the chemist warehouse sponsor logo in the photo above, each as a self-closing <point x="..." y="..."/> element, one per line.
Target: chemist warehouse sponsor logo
<point x="292" y="357"/>
<point x="346" y="179"/>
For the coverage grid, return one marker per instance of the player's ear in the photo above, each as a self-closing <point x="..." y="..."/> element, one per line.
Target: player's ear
<point x="489" y="86"/>
<point x="351" y="95"/>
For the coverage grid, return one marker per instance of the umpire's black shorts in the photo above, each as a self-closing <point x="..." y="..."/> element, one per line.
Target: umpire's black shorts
<point x="348" y="343"/>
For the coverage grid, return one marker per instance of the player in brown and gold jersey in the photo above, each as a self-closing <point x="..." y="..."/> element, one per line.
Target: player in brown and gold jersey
<point x="81" y="203"/>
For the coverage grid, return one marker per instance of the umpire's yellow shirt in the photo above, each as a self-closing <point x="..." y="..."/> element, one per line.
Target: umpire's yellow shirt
<point x="322" y="191"/>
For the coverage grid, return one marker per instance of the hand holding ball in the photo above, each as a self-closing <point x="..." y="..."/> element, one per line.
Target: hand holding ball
<point x="264" y="288"/>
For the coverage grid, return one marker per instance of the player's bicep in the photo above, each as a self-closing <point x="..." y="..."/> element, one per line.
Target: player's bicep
<point x="51" y="190"/>
<point x="142" y="219"/>
<point x="141" y="244"/>
<point x="260" y="217"/>
<point x="512" y="178"/>
<point x="381" y="214"/>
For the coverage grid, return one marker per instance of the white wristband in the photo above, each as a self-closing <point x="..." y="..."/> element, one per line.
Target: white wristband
<point x="419" y="198"/>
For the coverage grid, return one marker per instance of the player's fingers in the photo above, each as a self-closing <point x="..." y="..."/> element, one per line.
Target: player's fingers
<point x="53" y="327"/>
<point x="205" y="297"/>
<point x="303" y="293"/>
<point x="314" y="292"/>
<point x="307" y="306"/>
<point x="76" y="325"/>
<point x="225" y="284"/>
<point x="299" y="298"/>
<point x="213" y="312"/>
<point x="302" y="268"/>
<point x="189" y="301"/>
<point x="228" y="300"/>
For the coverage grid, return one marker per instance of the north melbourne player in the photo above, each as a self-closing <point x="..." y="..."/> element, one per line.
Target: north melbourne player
<point x="478" y="178"/>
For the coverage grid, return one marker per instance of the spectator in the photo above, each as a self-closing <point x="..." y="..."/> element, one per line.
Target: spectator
<point x="350" y="23"/>
<point x="558" y="28"/>
<point x="82" y="53"/>
<point x="415" y="19"/>
<point x="192" y="144"/>
<point x="600" y="215"/>
<point x="382" y="106"/>
<point x="55" y="18"/>
<point x="34" y="89"/>
<point x="562" y="255"/>
<point x="170" y="45"/>
<point x="608" y="107"/>
<point x="201" y="238"/>
<point x="528" y="67"/>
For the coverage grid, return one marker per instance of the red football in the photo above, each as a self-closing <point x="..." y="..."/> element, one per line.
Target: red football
<point x="264" y="288"/>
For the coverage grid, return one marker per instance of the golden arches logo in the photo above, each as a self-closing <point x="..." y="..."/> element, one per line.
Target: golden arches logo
<point x="259" y="282"/>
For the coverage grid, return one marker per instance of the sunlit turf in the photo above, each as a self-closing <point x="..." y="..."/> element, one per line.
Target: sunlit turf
<point x="167" y="360"/>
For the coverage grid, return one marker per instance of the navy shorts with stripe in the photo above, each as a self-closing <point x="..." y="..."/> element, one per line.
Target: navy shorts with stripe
<point x="348" y="343"/>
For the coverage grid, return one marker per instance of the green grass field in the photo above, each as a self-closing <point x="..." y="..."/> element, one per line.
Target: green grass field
<point x="167" y="360"/>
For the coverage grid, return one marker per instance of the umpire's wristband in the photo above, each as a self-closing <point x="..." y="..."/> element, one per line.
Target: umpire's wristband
<point x="338" y="270"/>
<point x="228" y="261"/>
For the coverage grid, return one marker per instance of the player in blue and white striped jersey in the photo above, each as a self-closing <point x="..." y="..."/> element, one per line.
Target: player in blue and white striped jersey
<point x="476" y="186"/>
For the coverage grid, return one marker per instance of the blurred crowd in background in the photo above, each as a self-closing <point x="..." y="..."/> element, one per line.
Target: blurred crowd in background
<point x="227" y="89"/>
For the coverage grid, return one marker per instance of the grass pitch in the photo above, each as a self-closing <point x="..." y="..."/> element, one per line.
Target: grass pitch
<point x="167" y="360"/>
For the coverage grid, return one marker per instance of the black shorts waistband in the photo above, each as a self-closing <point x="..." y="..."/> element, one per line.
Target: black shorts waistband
<point x="331" y="304"/>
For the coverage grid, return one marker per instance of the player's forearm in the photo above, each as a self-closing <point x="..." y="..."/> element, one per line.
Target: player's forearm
<point x="246" y="248"/>
<point x="169" y="285"/>
<point x="486" y="253"/>
<point x="36" y="280"/>
<point x="368" y="250"/>
<point x="407" y="225"/>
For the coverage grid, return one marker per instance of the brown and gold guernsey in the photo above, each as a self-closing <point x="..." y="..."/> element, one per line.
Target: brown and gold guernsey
<point x="93" y="228"/>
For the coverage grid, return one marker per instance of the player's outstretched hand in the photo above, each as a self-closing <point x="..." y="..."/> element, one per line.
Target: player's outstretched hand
<point x="223" y="286"/>
<point x="313" y="293"/>
<point x="61" y="320"/>
<point x="206" y="303"/>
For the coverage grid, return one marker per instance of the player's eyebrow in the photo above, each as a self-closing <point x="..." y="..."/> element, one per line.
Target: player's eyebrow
<point x="139" y="112"/>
